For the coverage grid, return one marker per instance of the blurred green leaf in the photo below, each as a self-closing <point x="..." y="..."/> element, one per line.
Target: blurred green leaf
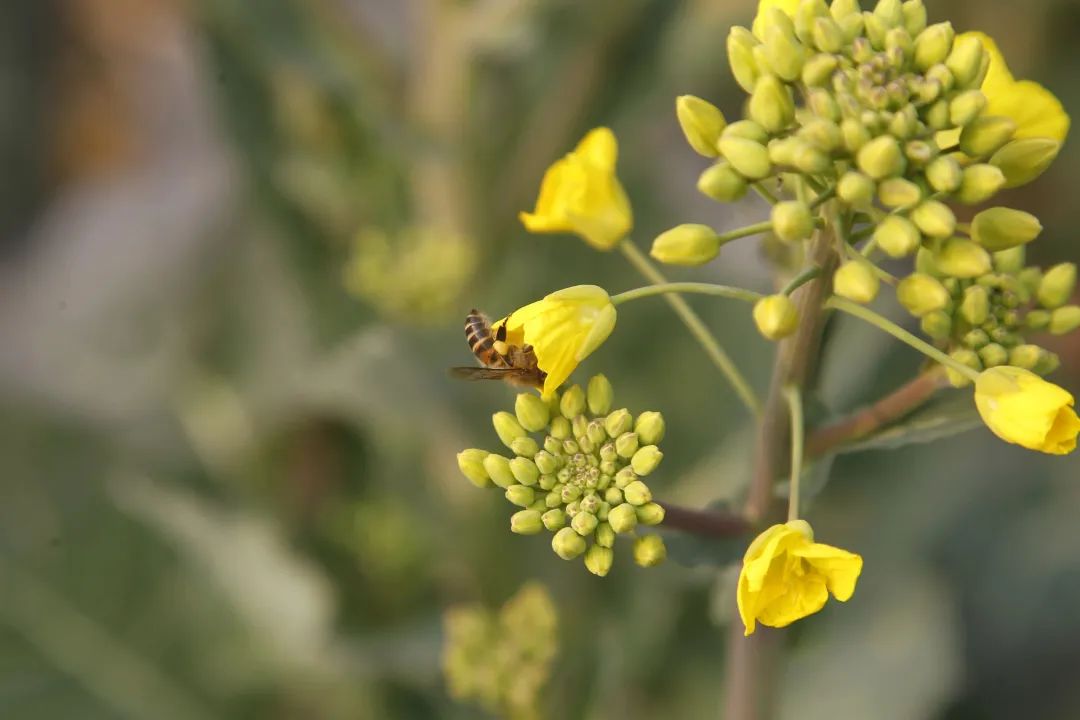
<point x="694" y="550"/>
<point x="949" y="414"/>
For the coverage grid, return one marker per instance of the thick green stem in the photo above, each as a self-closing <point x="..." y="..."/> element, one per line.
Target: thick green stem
<point x="697" y="328"/>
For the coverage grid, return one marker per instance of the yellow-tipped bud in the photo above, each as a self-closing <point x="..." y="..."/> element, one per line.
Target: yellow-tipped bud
<point x="750" y="159"/>
<point x="771" y="104"/>
<point x="605" y="536"/>
<point x="524" y="446"/>
<point x="701" y="123"/>
<point x="1056" y="286"/>
<point x="645" y="460"/>
<point x="827" y="35"/>
<point x="964" y="357"/>
<point x="898" y="192"/>
<point x="984" y="136"/>
<point x="776" y="316"/>
<point x="1001" y="228"/>
<point x="747" y="129"/>
<point x="721" y="183"/>
<point x="979" y="183"/>
<point x="937" y="325"/>
<point x="526" y="522"/>
<point x="1037" y="319"/>
<point x="524" y="471"/>
<point x="855" y="134"/>
<point x="649" y="551"/>
<point x="993" y="355"/>
<point x="792" y="220"/>
<point x="897" y="236"/>
<point x="1064" y="319"/>
<point x="598" y="560"/>
<point x="818" y="70"/>
<point x="740" y="49"/>
<point x="881" y="158"/>
<point x="584" y="523"/>
<point x="975" y="307"/>
<point x="966" y="106"/>
<point x="1025" y="356"/>
<point x="520" y="495"/>
<point x="822" y="134"/>
<point x="944" y="174"/>
<point x="805" y="15"/>
<point x="965" y="59"/>
<point x="934" y="219"/>
<point x="856" y="189"/>
<point x="650" y="427"/>
<point x="618" y="422"/>
<point x="962" y="259"/>
<point x="532" y="412"/>
<point x="1011" y="261"/>
<point x="933" y="44"/>
<point x="637" y="493"/>
<point x="498" y="469"/>
<point x="507" y="427"/>
<point x="650" y="514"/>
<point x="856" y="281"/>
<point x="567" y="544"/>
<point x="471" y="464"/>
<point x="626" y="445"/>
<point x="622" y="518"/>
<point x="914" y="17"/>
<point x="599" y="395"/>
<point x="689" y="244"/>
<point x="1021" y="161"/>
<point x="572" y="402"/>
<point x="783" y="52"/>
<point x="921" y="294"/>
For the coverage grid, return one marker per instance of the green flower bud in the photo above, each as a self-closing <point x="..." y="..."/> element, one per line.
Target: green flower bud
<point x="771" y="105"/>
<point x="554" y="498"/>
<point x="721" y="183"/>
<point x="940" y="75"/>
<point x="856" y="281"/>
<point x="822" y="134"/>
<point x="526" y="522"/>
<point x="1048" y="363"/>
<point x="1001" y="228"/>
<point x="934" y="219"/>
<point x="966" y="106"/>
<point x="624" y="477"/>
<point x="937" y="115"/>
<point x="919" y="152"/>
<point x="560" y="429"/>
<point x="792" y="220"/>
<point x="962" y="259"/>
<point x="618" y="422"/>
<point x="776" y="316"/>
<point x="750" y="159"/>
<point x="645" y="460"/>
<point x="570" y="447"/>
<point x="856" y="189"/>
<point x="904" y="123"/>
<point x="532" y="412"/>
<point x="805" y="15"/>
<point x="898" y="192"/>
<point x="889" y="12"/>
<point x="525" y="446"/>
<point x="598" y="560"/>
<point x="701" y="123"/>
<point x="498" y="469"/>
<point x="944" y="174"/>
<point x="637" y="493"/>
<point x="607" y="452"/>
<point x="622" y="518"/>
<point x="964" y="357"/>
<point x="740" y="49"/>
<point x="1002" y="336"/>
<point x="605" y="535"/>
<point x="855" y="135"/>
<point x="817" y="71"/>
<point x="471" y="464"/>
<point x="993" y="355"/>
<point x="649" y="550"/>
<point x="626" y="445"/>
<point x="984" y="136"/>
<point x="507" y="427"/>
<point x="897" y="236"/>
<point x="921" y="294"/>
<point x="1025" y="356"/>
<point x="747" y="130"/>
<point x="979" y="183"/>
<point x="649" y="427"/>
<point x="567" y="544"/>
<point x="570" y="493"/>
<point x="932" y="45"/>
<point x="1056" y="286"/>
<point x="881" y="158"/>
<point x="1037" y="319"/>
<point x="841" y="9"/>
<point x="613" y="496"/>
<point x="827" y="36"/>
<point x="524" y="471"/>
<point x="521" y="495"/>
<point x="975" y="339"/>
<point x="937" y="325"/>
<point x="572" y="403"/>
<point x="975" y="307"/>
<point x="875" y="30"/>
<point x="1021" y="161"/>
<point x="547" y="481"/>
<point x="820" y="101"/>
<point x="608" y="467"/>
<point x="914" y="17"/>
<point x="584" y="523"/>
<point x="650" y="514"/>
<point x="965" y="60"/>
<point x="898" y="40"/>
<point x="1030" y="277"/>
<point x="596" y="433"/>
<point x="1064" y="319"/>
<point x="783" y="52"/>
<point x="689" y="244"/>
<point x="554" y="519"/>
<point x="1010" y="261"/>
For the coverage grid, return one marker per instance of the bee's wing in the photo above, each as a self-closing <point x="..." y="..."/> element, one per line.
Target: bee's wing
<point x="482" y="373"/>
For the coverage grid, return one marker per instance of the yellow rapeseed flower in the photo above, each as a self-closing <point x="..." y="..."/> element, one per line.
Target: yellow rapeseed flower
<point x="1034" y="109"/>
<point x="786" y="576"/>
<point x="1022" y="408"/>
<point x="563" y="329"/>
<point x="581" y="194"/>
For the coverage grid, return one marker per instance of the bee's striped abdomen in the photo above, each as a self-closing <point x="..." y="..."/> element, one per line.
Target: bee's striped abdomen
<point x="482" y="344"/>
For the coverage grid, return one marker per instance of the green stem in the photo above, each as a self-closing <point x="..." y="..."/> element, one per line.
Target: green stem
<point x="697" y="328"/>
<point x="755" y="229"/>
<point x="696" y="288"/>
<point x="765" y="193"/>
<point x="798" y="434"/>
<point x="801" y="279"/>
<point x="883" y="323"/>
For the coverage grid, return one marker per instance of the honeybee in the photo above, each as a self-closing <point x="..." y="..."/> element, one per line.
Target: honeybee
<point x="500" y="360"/>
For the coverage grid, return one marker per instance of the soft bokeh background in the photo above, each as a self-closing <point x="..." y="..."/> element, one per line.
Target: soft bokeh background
<point x="238" y="241"/>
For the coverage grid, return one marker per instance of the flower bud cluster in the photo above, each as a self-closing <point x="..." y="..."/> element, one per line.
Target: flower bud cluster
<point x="581" y="478"/>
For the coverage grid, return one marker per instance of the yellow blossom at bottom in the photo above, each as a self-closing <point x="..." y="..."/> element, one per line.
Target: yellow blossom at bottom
<point x="786" y="576"/>
<point x="1022" y="408"/>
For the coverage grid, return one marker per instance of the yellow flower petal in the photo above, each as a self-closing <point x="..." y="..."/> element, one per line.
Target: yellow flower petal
<point x="1021" y="408"/>
<point x="840" y="567"/>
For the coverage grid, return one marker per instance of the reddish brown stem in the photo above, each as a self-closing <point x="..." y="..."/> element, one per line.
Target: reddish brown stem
<point x="707" y="523"/>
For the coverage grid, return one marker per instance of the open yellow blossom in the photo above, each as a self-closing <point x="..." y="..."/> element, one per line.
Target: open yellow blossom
<point x="1022" y="408"/>
<point x="581" y="194"/>
<point x="1035" y="110"/>
<point x="787" y="576"/>
<point x="563" y="329"/>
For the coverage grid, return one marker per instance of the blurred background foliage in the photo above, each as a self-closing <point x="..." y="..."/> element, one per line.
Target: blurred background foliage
<point x="238" y="242"/>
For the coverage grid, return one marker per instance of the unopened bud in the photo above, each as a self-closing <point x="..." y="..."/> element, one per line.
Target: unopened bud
<point x="914" y="17"/>
<point x="1011" y="262"/>
<point x="937" y="325"/>
<point x="816" y="73"/>
<point x="645" y="460"/>
<point x="771" y="104"/>
<point x="624" y="477"/>
<point x="626" y="445"/>
<point x="932" y="45"/>
<point x="776" y="316"/>
<point x="649" y="551"/>
<point x="650" y="514"/>
<point x="531" y="412"/>
<point x="1021" y="161"/>
<point x="1048" y="363"/>
<point x="721" y="183"/>
<point x="618" y="422"/>
<point x="898" y="192"/>
<point x="498" y="469"/>
<point x="1001" y="228"/>
<point x="827" y="35"/>
<point x="964" y="357"/>
<point x="881" y="158"/>
<point x="649" y="427"/>
<point x="507" y="427"/>
<point x="993" y="355"/>
<point x="937" y="115"/>
<point x="572" y="403"/>
<point x="521" y="495"/>
<point x="584" y="523"/>
<point x="1025" y="356"/>
<point x="598" y="396"/>
<point x="986" y="135"/>
<point x="567" y="544"/>
<point x="792" y="220"/>
<point x="748" y="130"/>
<point x="979" y="183"/>
<point x="1037" y="319"/>
<point x="822" y="134"/>
<point x="701" y="123"/>
<point x="962" y="258"/>
<point x="897" y="236"/>
<point x="750" y="159"/>
<point x="921" y="294"/>
<point x="965" y="59"/>
<point x="740" y="49"/>
<point x="637" y="493"/>
<point x="934" y="219"/>
<point x="554" y="519"/>
<point x="975" y="307"/>
<point x="622" y="518"/>
<point x="1056" y="286"/>
<point x="855" y="135"/>
<point x="689" y="244"/>
<point x="526" y="522"/>
<point x="471" y="464"/>
<point x="1064" y="319"/>
<point x="856" y="281"/>
<point x="524" y="470"/>
<point x="856" y="189"/>
<point x="546" y="463"/>
<point x="783" y="52"/>
<point x="966" y="106"/>
<point x="598" y="560"/>
<point x="944" y="174"/>
<point x="560" y="430"/>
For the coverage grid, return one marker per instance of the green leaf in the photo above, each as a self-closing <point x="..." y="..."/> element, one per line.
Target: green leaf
<point x="948" y="414"/>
